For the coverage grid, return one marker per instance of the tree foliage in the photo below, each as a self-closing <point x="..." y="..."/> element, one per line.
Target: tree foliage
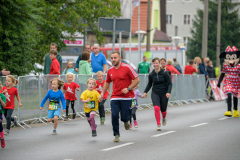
<point x="28" y="27"/>
<point x="230" y="27"/>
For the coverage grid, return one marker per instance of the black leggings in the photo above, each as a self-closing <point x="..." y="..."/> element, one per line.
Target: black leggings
<point x="133" y="114"/>
<point x="229" y="102"/>
<point x="67" y="106"/>
<point x="101" y="108"/>
<point x="160" y="100"/>
<point x="7" y="115"/>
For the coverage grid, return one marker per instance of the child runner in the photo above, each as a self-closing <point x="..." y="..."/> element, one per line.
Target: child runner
<point x="100" y="82"/>
<point x="54" y="95"/>
<point x="9" y="91"/>
<point x="134" y="107"/>
<point x="69" y="68"/>
<point x="2" y="104"/>
<point x="69" y="91"/>
<point x="90" y="99"/>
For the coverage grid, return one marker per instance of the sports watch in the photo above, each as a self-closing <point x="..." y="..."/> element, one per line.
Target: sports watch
<point x="128" y="89"/>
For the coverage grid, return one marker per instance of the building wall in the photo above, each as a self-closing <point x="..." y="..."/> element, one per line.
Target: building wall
<point x="177" y="8"/>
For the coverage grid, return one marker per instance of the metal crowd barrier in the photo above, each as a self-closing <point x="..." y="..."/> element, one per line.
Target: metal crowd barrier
<point x="32" y="89"/>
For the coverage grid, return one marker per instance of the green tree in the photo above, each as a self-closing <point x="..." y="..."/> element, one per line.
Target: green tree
<point x="230" y="27"/>
<point x="18" y="35"/>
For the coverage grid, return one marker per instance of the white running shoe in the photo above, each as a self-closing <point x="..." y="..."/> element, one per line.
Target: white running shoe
<point x="159" y="128"/>
<point x="164" y="122"/>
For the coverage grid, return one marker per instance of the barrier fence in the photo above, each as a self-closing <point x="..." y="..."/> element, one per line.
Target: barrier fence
<point x="32" y="89"/>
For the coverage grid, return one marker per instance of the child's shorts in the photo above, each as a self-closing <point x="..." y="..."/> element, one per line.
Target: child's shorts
<point x="88" y="114"/>
<point x="52" y="113"/>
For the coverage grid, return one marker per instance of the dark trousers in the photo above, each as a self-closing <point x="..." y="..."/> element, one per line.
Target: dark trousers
<point x="7" y="115"/>
<point x="229" y="102"/>
<point x="122" y="106"/>
<point x="101" y="108"/>
<point x="1" y="120"/>
<point x="67" y="106"/>
<point x="133" y="114"/>
<point x="160" y="100"/>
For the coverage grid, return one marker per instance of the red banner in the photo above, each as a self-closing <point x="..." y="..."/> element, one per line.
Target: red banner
<point x="217" y="92"/>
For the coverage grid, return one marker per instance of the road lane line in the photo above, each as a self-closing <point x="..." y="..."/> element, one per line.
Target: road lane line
<point x="197" y="125"/>
<point x="223" y="118"/>
<point x="119" y="146"/>
<point x="157" y="135"/>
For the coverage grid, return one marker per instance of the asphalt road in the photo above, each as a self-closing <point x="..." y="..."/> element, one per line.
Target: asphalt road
<point x="197" y="131"/>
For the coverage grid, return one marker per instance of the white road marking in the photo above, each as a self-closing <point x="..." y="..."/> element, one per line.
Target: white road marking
<point x="157" y="135"/>
<point x="119" y="146"/>
<point x="223" y="118"/>
<point x="197" y="125"/>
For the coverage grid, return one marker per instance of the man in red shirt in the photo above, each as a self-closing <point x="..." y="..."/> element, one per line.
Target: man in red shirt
<point x="124" y="79"/>
<point x="191" y="68"/>
<point x="55" y="66"/>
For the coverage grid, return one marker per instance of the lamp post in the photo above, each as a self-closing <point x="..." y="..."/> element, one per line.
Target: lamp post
<point x="139" y="42"/>
<point x="176" y="40"/>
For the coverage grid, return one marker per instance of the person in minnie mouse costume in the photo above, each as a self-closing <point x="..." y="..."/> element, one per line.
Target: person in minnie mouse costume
<point x="232" y="80"/>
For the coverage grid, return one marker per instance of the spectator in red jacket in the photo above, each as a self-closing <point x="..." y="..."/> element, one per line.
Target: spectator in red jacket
<point x="171" y="68"/>
<point x="191" y="68"/>
<point x="55" y="66"/>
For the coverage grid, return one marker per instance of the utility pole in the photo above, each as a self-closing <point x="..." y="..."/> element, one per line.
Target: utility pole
<point x="205" y="29"/>
<point x="139" y="35"/>
<point x="148" y="25"/>
<point x="218" y="33"/>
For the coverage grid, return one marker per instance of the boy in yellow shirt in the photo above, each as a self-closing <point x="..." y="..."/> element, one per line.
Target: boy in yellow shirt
<point x="90" y="99"/>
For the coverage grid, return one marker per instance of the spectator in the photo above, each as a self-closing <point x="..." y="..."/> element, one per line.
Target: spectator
<point x="163" y="64"/>
<point x="69" y="68"/>
<point x="191" y="68"/>
<point x="177" y="65"/>
<point x="203" y="68"/>
<point x="144" y="66"/>
<point x="197" y="61"/>
<point x="88" y="49"/>
<point x="48" y="61"/>
<point x="99" y="62"/>
<point x="211" y="74"/>
<point x="210" y="70"/>
<point x="55" y="66"/>
<point x="171" y="68"/>
<point x="4" y="72"/>
<point x="84" y="65"/>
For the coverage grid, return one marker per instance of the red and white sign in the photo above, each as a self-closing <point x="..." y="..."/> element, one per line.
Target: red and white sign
<point x="163" y="48"/>
<point x="77" y="42"/>
<point x="217" y="92"/>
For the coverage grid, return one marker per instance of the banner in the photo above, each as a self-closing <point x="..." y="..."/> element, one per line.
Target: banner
<point x="217" y="92"/>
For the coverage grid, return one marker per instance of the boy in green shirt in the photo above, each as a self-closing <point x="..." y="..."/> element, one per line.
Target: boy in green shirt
<point x="144" y="66"/>
<point x="2" y="104"/>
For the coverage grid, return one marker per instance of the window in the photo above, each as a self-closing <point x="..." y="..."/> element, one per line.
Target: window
<point x="169" y="19"/>
<point x="156" y="19"/>
<point x="186" y="19"/>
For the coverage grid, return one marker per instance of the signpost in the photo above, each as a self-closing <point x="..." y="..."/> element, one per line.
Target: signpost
<point x="107" y="24"/>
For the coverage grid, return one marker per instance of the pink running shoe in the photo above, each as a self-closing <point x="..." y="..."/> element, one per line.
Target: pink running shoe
<point x="135" y="124"/>
<point x="130" y="126"/>
<point x="3" y="143"/>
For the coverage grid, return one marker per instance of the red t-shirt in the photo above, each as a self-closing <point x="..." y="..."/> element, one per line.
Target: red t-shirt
<point x="189" y="69"/>
<point x="55" y="67"/>
<point x="10" y="97"/>
<point x="70" y="91"/>
<point x="121" y="78"/>
<point x="99" y="88"/>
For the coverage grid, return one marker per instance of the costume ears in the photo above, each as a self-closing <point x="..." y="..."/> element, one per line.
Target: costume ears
<point x="222" y="55"/>
<point x="230" y="50"/>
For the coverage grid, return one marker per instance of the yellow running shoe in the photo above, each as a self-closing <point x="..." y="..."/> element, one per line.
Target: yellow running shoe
<point x="236" y="113"/>
<point x="228" y="114"/>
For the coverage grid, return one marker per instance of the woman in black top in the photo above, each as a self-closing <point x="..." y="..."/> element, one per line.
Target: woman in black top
<point x="211" y="74"/>
<point x="161" y="91"/>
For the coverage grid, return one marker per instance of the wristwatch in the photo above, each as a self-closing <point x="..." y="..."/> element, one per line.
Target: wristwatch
<point x="128" y="89"/>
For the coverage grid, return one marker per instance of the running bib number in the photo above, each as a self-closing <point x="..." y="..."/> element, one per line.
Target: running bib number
<point x="134" y="102"/>
<point x="90" y="105"/>
<point x="53" y="106"/>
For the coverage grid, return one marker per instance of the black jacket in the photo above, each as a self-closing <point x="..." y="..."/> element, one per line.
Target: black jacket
<point x="161" y="81"/>
<point x="211" y="72"/>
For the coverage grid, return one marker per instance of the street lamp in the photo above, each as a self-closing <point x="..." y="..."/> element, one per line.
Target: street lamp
<point x="140" y="33"/>
<point x="176" y="40"/>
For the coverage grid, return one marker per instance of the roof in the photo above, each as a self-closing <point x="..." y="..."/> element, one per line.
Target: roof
<point x="161" y="36"/>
